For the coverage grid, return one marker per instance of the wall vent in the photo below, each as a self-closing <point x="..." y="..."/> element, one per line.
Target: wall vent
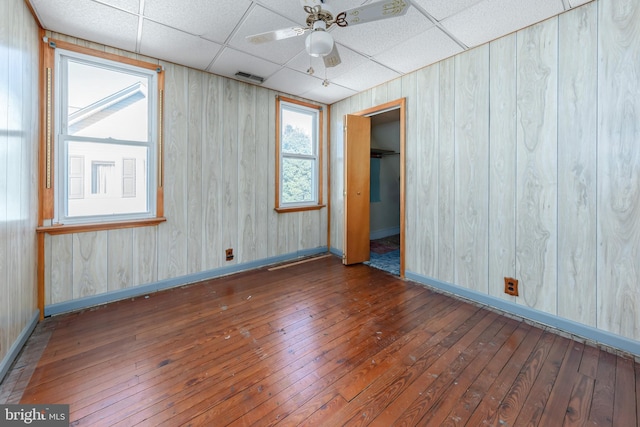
<point x="249" y="77"/>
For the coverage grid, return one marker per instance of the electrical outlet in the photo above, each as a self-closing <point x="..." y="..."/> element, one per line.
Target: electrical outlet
<point x="511" y="286"/>
<point x="229" y="254"/>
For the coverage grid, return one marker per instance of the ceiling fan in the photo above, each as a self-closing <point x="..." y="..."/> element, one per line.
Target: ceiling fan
<point x="319" y="43"/>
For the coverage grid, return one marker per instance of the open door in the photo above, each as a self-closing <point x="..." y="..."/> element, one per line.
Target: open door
<point x="356" y="188"/>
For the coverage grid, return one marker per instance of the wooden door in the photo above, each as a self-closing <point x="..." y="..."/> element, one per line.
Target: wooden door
<point x="357" y="134"/>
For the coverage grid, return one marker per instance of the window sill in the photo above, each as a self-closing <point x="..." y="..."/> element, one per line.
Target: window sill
<point x="300" y="208"/>
<point x="84" y="228"/>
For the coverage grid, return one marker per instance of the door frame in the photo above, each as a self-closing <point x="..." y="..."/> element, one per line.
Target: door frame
<point x="400" y="104"/>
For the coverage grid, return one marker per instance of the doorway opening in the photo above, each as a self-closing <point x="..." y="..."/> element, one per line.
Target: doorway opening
<point x="374" y="187"/>
<point x="384" y="184"/>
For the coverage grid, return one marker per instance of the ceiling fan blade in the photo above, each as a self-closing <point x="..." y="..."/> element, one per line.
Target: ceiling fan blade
<point x="333" y="58"/>
<point x="281" y="34"/>
<point x="372" y="12"/>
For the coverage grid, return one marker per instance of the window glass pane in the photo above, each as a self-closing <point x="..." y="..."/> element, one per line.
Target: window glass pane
<point x="106" y="103"/>
<point x="297" y="132"/>
<point x="297" y="180"/>
<point x="115" y="182"/>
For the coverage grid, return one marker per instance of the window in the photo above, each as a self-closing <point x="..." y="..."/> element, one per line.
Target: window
<point x="299" y="171"/>
<point x="106" y="148"/>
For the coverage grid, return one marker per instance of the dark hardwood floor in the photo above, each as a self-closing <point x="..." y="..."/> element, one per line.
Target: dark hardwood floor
<point x="317" y="343"/>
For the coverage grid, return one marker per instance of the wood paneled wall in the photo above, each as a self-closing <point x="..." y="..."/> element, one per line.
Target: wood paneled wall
<point x="18" y="170"/>
<point x="219" y="183"/>
<point x="523" y="160"/>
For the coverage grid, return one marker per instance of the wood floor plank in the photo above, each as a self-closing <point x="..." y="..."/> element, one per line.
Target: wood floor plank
<point x="512" y="403"/>
<point x="389" y="386"/>
<point x="186" y="386"/>
<point x="490" y="403"/>
<point x="467" y="404"/>
<point x="538" y="395"/>
<point x="624" y="396"/>
<point x="438" y="412"/>
<point x="281" y="405"/>
<point x="558" y="401"/>
<point x="579" y="406"/>
<point x="601" y="413"/>
<point x="318" y="343"/>
<point x="430" y="405"/>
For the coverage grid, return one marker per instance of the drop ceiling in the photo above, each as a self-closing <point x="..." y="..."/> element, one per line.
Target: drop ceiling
<point x="210" y="35"/>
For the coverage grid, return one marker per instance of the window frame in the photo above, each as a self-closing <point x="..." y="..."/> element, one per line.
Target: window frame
<point x="318" y="111"/>
<point x="51" y="181"/>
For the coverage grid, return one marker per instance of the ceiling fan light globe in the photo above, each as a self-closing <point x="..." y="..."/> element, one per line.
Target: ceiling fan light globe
<point x="319" y="43"/>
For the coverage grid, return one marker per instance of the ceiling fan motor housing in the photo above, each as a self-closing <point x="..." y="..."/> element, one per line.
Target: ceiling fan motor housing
<point x="319" y="42"/>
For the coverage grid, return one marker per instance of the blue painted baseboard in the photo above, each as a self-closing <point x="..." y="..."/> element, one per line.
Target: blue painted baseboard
<point x="13" y="352"/>
<point x="121" y="294"/>
<point x="580" y="330"/>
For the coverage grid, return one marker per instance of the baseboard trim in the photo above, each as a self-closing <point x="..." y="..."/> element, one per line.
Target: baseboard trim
<point x="107" y="297"/>
<point x="379" y="234"/>
<point x="17" y="345"/>
<point x="576" y="330"/>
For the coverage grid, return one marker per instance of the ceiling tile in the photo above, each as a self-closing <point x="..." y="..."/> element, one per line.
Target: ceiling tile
<point x="420" y="51"/>
<point x="292" y="82"/>
<point x="90" y="21"/>
<point x="328" y="94"/>
<point x="372" y="38"/>
<point x="132" y="6"/>
<point x="365" y="76"/>
<point x="490" y="19"/>
<point x="575" y="3"/>
<point x="349" y="59"/>
<point x="230" y="61"/>
<point x="213" y="21"/>
<point x="261" y="20"/>
<point x="440" y="9"/>
<point x="176" y="46"/>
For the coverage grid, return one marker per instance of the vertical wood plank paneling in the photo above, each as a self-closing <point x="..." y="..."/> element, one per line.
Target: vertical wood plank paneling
<point x="246" y="172"/>
<point x="229" y="197"/>
<point x="5" y="286"/>
<point x="212" y="173"/>
<point x="309" y="233"/>
<point x="409" y="91"/>
<point x="536" y="238"/>
<point x="89" y="264"/>
<point x="18" y="170"/>
<point x="394" y="89"/>
<point x="14" y="148"/>
<point x="195" y="110"/>
<point x="31" y="119"/>
<point x="61" y="268"/>
<point x="502" y="164"/>
<point x="264" y="200"/>
<point x="426" y="185"/>
<point x="290" y="228"/>
<point x="577" y="163"/>
<point x="471" y="166"/>
<point x="172" y="237"/>
<point x="145" y="256"/>
<point x="619" y="167"/>
<point x="336" y="180"/>
<point x="446" y="172"/>
<point x="119" y="259"/>
<point x="379" y="95"/>
<point x="47" y="272"/>
<point x="274" y="218"/>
